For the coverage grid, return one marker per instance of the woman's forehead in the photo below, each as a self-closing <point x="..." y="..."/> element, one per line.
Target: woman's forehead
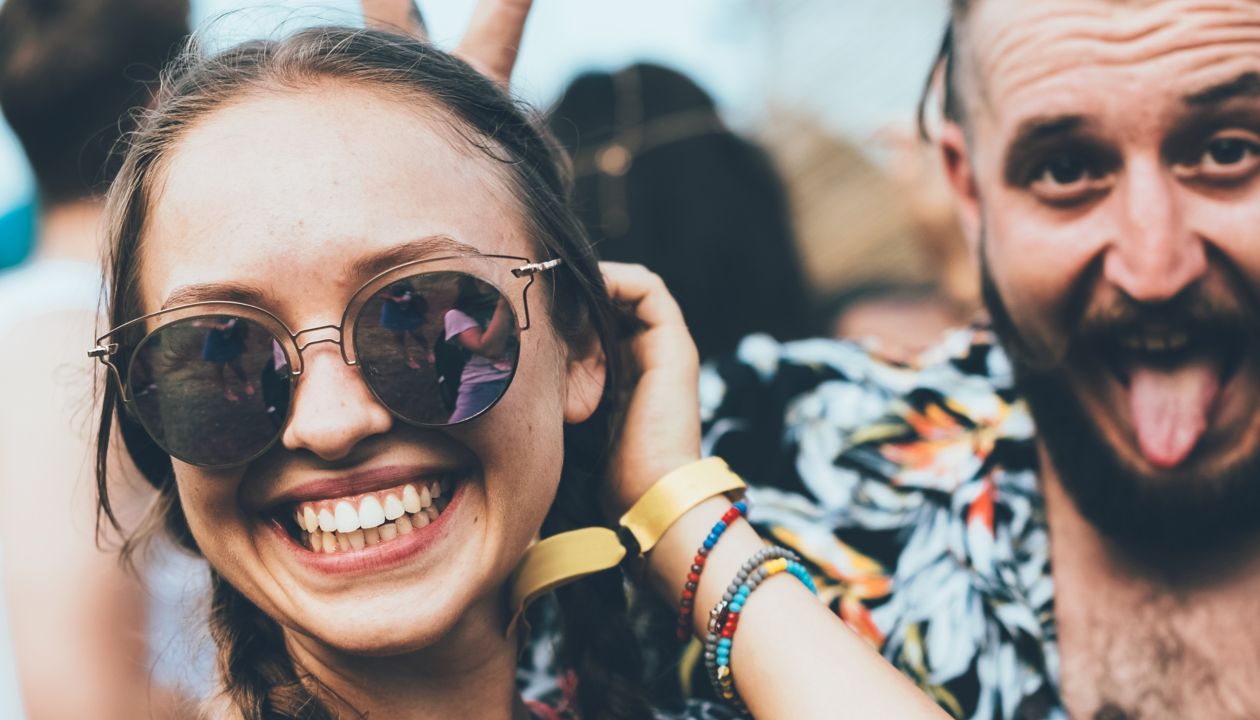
<point x="302" y="183"/>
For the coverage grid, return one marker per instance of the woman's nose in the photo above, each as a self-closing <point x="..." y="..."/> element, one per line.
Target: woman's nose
<point x="333" y="409"/>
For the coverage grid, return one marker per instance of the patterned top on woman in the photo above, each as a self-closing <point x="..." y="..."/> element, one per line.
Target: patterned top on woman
<point x="912" y="493"/>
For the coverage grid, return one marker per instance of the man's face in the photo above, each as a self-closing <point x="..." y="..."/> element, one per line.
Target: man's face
<point x="1113" y="172"/>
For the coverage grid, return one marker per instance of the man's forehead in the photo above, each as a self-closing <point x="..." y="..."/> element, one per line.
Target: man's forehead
<point x="1021" y="52"/>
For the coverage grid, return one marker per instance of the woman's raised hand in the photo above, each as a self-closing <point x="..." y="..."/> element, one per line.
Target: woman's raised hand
<point x="661" y="426"/>
<point x="490" y="44"/>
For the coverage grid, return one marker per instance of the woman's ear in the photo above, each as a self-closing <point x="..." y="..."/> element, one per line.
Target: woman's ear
<point x="585" y="374"/>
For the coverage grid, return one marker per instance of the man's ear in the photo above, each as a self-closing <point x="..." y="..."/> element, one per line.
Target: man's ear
<point x="585" y="375"/>
<point x="962" y="180"/>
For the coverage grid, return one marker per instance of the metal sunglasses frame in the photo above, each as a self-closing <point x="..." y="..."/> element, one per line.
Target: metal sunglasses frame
<point x="500" y="271"/>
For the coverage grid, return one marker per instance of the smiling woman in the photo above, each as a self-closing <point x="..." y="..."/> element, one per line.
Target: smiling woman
<point x="364" y="432"/>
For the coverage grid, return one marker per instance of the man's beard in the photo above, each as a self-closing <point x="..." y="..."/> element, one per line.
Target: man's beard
<point x="1155" y="519"/>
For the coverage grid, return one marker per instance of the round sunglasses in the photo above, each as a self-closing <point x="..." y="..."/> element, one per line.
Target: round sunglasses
<point x="437" y="341"/>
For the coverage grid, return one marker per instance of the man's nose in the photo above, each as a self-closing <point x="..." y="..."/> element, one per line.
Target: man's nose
<point x="1154" y="254"/>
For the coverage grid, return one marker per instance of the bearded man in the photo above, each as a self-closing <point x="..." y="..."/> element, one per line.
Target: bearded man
<point x="1057" y="517"/>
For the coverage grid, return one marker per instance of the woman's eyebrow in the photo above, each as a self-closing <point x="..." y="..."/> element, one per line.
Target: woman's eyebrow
<point x="432" y="246"/>
<point x="220" y="291"/>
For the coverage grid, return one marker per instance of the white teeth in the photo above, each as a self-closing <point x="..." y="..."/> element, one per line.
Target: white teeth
<point x="371" y="514"/>
<point x="357" y="541"/>
<point x="310" y="521"/>
<point x="347" y="518"/>
<point x="1156" y="341"/>
<point x="327" y="522"/>
<point x="411" y="499"/>
<point x="394" y="509"/>
<point x="379" y="517"/>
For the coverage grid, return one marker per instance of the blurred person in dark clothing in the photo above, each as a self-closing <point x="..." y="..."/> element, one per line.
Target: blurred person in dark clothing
<point x="661" y="181"/>
<point x="72" y="73"/>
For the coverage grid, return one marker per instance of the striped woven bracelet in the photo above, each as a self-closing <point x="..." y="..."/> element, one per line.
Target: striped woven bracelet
<point x="687" y="604"/>
<point x="726" y="635"/>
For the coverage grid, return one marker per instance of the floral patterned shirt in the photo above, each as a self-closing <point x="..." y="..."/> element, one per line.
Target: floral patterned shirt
<point x="912" y="493"/>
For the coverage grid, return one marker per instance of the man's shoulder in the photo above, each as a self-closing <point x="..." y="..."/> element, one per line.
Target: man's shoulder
<point x="911" y="492"/>
<point x="776" y="410"/>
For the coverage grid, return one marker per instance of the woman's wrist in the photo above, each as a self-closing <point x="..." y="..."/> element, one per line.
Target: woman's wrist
<point x="668" y="564"/>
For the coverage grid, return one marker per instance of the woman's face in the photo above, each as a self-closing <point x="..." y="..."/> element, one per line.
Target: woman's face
<point x="282" y="196"/>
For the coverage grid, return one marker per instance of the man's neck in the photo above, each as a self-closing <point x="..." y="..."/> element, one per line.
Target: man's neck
<point x="71" y="231"/>
<point x="1137" y="641"/>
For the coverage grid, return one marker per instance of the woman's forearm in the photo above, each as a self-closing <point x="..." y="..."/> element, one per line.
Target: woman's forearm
<point x="791" y="657"/>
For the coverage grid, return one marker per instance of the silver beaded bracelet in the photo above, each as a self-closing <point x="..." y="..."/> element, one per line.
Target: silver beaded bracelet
<point x="717" y="615"/>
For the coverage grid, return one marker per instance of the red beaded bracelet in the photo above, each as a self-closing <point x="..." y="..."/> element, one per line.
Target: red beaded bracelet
<point x="686" y="605"/>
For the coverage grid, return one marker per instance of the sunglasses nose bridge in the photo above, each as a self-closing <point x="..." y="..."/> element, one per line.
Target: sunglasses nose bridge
<point x="331" y="334"/>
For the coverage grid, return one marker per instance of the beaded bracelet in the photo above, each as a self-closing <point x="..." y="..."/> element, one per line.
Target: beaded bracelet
<point x="686" y="605"/>
<point x="718" y="613"/>
<point x="724" y="619"/>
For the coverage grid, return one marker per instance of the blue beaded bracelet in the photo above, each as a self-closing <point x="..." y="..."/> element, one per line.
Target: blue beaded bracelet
<point x="686" y="605"/>
<point x="724" y="619"/>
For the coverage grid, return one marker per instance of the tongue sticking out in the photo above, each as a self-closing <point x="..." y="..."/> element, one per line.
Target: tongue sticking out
<point x="1170" y="407"/>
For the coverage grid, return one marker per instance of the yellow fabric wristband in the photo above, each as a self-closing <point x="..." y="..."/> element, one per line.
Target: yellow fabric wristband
<point x="673" y="495"/>
<point x="572" y="555"/>
<point x="560" y="559"/>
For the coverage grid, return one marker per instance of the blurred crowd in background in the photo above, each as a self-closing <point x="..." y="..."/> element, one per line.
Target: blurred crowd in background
<point x="718" y="135"/>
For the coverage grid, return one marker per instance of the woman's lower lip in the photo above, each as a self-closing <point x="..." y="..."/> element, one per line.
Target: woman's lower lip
<point x="376" y="557"/>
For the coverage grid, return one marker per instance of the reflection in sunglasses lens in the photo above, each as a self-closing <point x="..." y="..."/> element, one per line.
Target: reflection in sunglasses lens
<point x="210" y="390"/>
<point x="438" y="348"/>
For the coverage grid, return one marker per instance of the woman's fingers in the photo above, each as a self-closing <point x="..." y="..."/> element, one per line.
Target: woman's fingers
<point x="493" y="38"/>
<point x="661" y="425"/>
<point x="664" y="340"/>
<point x="396" y="16"/>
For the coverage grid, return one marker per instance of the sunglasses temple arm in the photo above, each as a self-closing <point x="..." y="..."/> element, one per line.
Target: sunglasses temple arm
<point x="530" y="271"/>
<point x="102" y="352"/>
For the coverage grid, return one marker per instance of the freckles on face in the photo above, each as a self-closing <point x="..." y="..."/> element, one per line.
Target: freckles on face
<point x="284" y="198"/>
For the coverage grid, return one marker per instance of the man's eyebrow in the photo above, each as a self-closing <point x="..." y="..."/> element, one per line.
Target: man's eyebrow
<point x="1245" y="85"/>
<point x="433" y="246"/>
<point x="1032" y="132"/>
<point x="220" y="291"/>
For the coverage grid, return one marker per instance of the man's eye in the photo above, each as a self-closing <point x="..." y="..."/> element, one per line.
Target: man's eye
<point x="1229" y="151"/>
<point x="1224" y="159"/>
<point x="1064" y="170"/>
<point x="1065" y="179"/>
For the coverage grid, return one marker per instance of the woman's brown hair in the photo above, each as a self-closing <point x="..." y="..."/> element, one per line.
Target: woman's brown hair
<point x="258" y="675"/>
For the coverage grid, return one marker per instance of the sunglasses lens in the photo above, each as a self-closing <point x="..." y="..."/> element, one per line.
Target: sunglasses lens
<point x="211" y="390"/>
<point x="438" y="348"/>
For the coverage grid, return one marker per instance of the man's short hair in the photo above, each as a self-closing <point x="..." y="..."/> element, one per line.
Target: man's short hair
<point x="71" y="71"/>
